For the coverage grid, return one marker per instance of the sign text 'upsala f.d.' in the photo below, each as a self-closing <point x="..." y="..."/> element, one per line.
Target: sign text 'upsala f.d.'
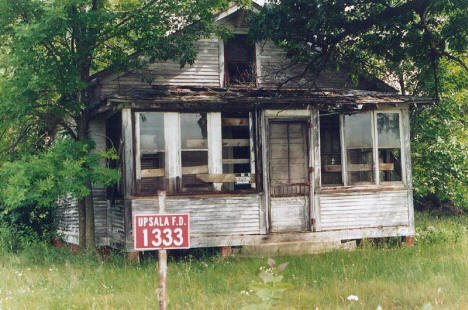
<point x="161" y="231"/>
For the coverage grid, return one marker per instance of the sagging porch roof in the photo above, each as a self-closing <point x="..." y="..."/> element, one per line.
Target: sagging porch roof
<point x="209" y="98"/>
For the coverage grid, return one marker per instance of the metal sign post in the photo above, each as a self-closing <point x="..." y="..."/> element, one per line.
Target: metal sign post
<point x="162" y="260"/>
<point x="161" y="231"/>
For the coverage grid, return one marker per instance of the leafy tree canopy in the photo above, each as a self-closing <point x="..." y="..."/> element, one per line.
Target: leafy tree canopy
<point x="397" y="37"/>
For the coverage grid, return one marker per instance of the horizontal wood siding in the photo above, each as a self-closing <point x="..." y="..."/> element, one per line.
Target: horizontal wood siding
<point x="101" y="215"/>
<point x="67" y="219"/>
<point x="276" y="68"/>
<point x="204" y="72"/>
<point x="117" y="226"/>
<point x="230" y="215"/>
<point x="361" y="210"/>
<point x="288" y="213"/>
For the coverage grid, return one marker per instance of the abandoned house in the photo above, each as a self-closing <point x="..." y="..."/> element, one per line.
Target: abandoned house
<point x="251" y="162"/>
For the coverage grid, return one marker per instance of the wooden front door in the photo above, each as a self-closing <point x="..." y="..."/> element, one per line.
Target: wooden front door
<point x="288" y="176"/>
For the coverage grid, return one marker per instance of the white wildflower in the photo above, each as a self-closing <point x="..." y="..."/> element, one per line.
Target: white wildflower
<point x="379" y="307"/>
<point x="353" y="298"/>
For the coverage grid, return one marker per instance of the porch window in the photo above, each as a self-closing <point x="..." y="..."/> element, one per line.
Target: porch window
<point x="239" y="59"/>
<point x="237" y="151"/>
<point x="330" y="149"/>
<point x="389" y="147"/>
<point x="150" y="155"/>
<point x="194" y="151"/>
<point x="359" y="146"/>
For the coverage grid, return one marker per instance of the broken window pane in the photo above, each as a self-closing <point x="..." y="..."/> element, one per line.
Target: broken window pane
<point x="152" y="152"/>
<point x="194" y="151"/>
<point x="358" y="144"/>
<point x="330" y="149"/>
<point x="239" y="58"/>
<point x="389" y="145"/>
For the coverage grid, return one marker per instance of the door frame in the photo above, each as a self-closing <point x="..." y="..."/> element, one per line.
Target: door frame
<point x="306" y="116"/>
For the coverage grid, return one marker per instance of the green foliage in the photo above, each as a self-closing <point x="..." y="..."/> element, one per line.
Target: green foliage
<point x="440" y="142"/>
<point x="32" y="185"/>
<point x="381" y="37"/>
<point x="271" y="287"/>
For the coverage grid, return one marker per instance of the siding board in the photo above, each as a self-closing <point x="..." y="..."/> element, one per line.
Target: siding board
<point x="233" y="215"/>
<point x="363" y="210"/>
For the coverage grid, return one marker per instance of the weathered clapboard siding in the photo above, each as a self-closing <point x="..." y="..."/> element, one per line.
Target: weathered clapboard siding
<point x="289" y="213"/>
<point x="101" y="215"/>
<point x="67" y="219"/>
<point x="227" y="215"/>
<point x="276" y="68"/>
<point x="204" y="72"/>
<point x="361" y="210"/>
<point x="117" y="226"/>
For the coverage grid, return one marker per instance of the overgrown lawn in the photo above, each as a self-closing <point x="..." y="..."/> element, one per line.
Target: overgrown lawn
<point x="433" y="274"/>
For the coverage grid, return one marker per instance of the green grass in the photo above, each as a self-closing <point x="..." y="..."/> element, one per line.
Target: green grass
<point x="435" y="271"/>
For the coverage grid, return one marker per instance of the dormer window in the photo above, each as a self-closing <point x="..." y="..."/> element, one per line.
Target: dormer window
<point x="239" y="59"/>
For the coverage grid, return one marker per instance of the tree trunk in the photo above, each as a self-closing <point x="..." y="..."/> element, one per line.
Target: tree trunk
<point x="85" y="205"/>
<point x="82" y="222"/>
<point x="90" y="232"/>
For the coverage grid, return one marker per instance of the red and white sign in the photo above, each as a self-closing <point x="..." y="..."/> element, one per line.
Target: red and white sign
<point x="161" y="231"/>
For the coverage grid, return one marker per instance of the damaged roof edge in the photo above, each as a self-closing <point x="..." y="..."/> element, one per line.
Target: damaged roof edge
<point x="220" y="98"/>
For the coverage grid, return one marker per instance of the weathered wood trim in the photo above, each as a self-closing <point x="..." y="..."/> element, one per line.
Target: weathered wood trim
<point x="234" y="122"/>
<point x="315" y="175"/>
<point x="221" y="63"/>
<point x="173" y="160"/>
<point x="137" y="148"/>
<point x="266" y="175"/>
<point x="344" y="159"/>
<point x="128" y="166"/>
<point x="237" y="161"/>
<point x="406" y="154"/>
<point x="197" y="241"/>
<point x="258" y="62"/>
<point x="375" y="148"/>
<point x="287" y="113"/>
<point x="215" y="147"/>
<point x="252" y="146"/>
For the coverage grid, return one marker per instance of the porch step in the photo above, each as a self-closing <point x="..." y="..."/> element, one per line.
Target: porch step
<point x="294" y="248"/>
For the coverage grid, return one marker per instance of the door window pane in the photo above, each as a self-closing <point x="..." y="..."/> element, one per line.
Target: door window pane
<point x="358" y="143"/>
<point x="389" y="145"/>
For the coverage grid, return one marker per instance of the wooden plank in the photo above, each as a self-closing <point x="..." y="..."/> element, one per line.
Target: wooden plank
<point x="375" y="150"/>
<point x="235" y="161"/>
<point x="221" y="62"/>
<point x="407" y="165"/>
<point x="315" y="175"/>
<point x="359" y="167"/>
<point x="137" y="147"/>
<point x="172" y="140"/>
<point x="128" y="166"/>
<point x="235" y="142"/>
<point x="204" y="240"/>
<point x="215" y="148"/>
<point x="197" y="143"/>
<point x="344" y="159"/>
<point x="221" y="178"/>
<point x="265" y="165"/>
<point x="235" y="122"/>
<point x="195" y="169"/>
<point x="152" y="173"/>
<point x="252" y="146"/>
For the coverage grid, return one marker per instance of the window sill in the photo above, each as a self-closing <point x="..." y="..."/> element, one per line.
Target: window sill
<point x="361" y="188"/>
<point x="199" y="195"/>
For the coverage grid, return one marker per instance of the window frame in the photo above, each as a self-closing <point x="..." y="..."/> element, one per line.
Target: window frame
<point x="169" y="151"/>
<point x="375" y="153"/>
